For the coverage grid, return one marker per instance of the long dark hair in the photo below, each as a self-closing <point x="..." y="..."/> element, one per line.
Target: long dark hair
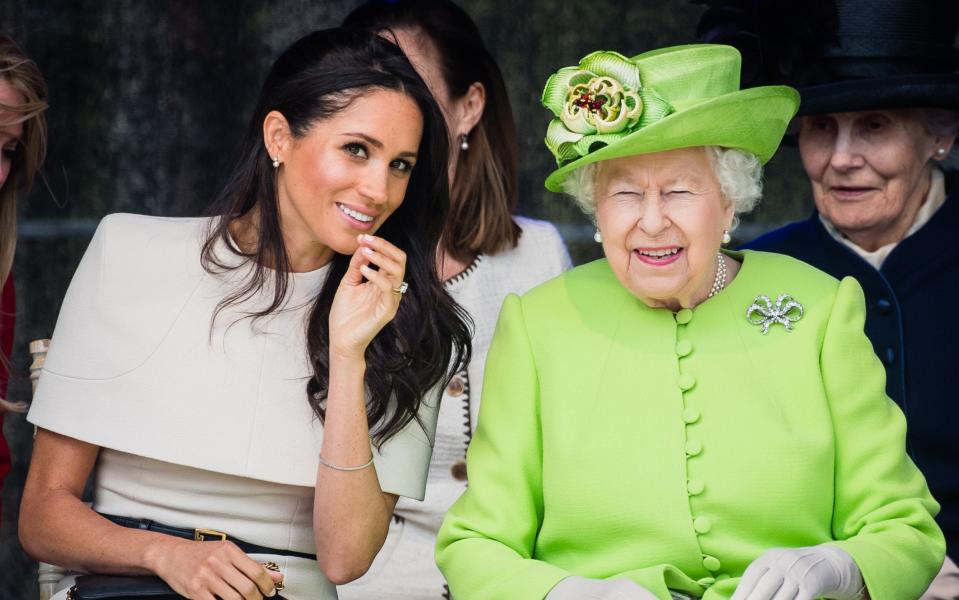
<point x="484" y="194"/>
<point x="429" y="338"/>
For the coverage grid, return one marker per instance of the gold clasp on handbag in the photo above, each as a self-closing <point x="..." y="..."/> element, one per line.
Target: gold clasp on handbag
<point x="204" y="535"/>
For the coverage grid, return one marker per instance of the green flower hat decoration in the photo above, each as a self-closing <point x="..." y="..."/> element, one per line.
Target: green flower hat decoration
<point x="598" y="102"/>
<point x="610" y="106"/>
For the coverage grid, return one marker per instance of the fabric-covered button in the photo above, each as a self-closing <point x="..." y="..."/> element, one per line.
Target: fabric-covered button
<point x="711" y="563"/>
<point x="694" y="447"/>
<point x="684" y="347"/>
<point x="459" y="470"/>
<point x="695" y="487"/>
<point x="684" y="316"/>
<point x="884" y="306"/>
<point x="691" y="415"/>
<point x="686" y="381"/>
<point x="706" y="581"/>
<point x="702" y="524"/>
<point x="455" y="387"/>
<point x="888" y="355"/>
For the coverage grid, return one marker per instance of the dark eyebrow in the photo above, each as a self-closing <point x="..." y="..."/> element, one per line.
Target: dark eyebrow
<point x="373" y="141"/>
<point x="378" y="144"/>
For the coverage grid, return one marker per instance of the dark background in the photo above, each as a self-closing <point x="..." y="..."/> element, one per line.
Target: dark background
<point x="149" y="100"/>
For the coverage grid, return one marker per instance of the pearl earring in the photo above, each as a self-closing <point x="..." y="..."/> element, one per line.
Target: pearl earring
<point x="726" y="237"/>
<point x="464" y="143"/>
<point x="276" y="162"/>
<point x="941" y="152"/>
<point x="598" y="237"/>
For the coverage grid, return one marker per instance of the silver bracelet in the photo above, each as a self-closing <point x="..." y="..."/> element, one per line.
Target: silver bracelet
<point x="338" y="468"/>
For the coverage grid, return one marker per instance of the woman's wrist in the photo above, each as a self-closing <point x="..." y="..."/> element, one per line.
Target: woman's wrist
<point x="346" y="354"/>
<point x="156" y="551"/>
<point x="347" y="361"/>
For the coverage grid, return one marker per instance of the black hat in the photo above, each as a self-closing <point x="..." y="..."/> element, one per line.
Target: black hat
<point x="844" y="55"/>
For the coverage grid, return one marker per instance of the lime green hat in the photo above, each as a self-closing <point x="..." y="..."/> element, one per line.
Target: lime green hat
<point x="611" y="106"/>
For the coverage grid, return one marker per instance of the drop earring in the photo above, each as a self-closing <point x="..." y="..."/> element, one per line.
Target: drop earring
<point x="726" y="237"/>
<point x="598" y="237"/>
<point x="276" y="162"/>
<point x="464" y="143"/>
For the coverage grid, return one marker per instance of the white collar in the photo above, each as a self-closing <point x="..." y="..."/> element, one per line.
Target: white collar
<point x="935" y="198"/>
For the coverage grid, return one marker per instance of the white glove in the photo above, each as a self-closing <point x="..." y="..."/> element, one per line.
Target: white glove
<point x="822" y="571"/>
<point x="581" y="588"/>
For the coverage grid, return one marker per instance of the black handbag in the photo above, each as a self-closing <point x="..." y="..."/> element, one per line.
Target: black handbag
<point x="124" y="587"/>
<point x="121" y="587"/>
<point x="133" y="587"/>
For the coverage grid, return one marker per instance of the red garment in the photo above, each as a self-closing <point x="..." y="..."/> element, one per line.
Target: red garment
<point x="8" y="308"/>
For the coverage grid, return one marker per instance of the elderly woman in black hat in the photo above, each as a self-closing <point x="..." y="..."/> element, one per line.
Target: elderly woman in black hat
<point x="876" y="135"/>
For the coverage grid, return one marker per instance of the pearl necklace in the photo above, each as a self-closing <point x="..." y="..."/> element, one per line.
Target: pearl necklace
<point x="720" y="282"/>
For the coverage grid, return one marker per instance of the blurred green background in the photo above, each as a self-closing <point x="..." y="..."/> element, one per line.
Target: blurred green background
<point x="149" y="99"/>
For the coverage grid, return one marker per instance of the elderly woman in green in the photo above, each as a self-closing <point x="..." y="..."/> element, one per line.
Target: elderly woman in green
<point x="677" y="419"/>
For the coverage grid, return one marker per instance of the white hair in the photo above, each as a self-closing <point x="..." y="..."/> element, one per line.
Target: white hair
<point x="739" y="174"/>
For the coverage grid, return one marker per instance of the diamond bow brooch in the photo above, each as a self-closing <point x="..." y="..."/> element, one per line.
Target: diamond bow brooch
<point x="764" y="313"/>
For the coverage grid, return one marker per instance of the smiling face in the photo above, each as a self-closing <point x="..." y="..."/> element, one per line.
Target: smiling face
<point x="662" y="217"/>
<point x="10" y="134"/>
<point x="345" y="176"/>
<point x="869" y="171"/>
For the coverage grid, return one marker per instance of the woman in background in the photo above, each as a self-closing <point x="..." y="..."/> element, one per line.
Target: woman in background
<point x="23" y="144"/>
<point x="485" y="253"/>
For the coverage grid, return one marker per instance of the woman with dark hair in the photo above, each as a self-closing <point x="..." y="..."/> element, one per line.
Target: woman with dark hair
<point x="263" y="382"/>
<point x="23" y="142"/>
<point x="485" y="254"/>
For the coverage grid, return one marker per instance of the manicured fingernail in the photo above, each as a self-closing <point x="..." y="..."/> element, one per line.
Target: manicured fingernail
<point x="368" y="251"/>
<point x="367" y="237"/>
<point x="365" y="268"/>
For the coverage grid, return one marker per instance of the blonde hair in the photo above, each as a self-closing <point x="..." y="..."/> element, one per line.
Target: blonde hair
<point x="24" y="77"/>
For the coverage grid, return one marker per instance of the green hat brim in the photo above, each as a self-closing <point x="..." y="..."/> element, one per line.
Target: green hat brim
<point x="753" y="120"/>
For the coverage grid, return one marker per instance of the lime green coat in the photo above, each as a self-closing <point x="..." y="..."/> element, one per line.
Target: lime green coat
<point x="617" y="440"/>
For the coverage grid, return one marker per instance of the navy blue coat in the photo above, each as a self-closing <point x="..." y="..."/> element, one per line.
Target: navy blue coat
<point x="912" y="319"/>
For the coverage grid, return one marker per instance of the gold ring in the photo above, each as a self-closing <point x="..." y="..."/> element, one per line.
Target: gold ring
<point x="401" y="289"/>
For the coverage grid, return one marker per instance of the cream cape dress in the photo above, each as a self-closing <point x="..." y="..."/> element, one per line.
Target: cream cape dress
<point x="199" y="427"/>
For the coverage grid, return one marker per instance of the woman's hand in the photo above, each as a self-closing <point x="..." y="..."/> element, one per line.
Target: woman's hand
<point x="208" y="570"/>
<point x="366" y="300"/>
<point x="822" y="571"/>
<point x="56" y="527"/>
<point x="15" y="407"/>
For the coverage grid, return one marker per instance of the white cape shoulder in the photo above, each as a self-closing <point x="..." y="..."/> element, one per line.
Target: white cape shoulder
<point x="134" y="279"/>
<point x="137" y="364"/>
